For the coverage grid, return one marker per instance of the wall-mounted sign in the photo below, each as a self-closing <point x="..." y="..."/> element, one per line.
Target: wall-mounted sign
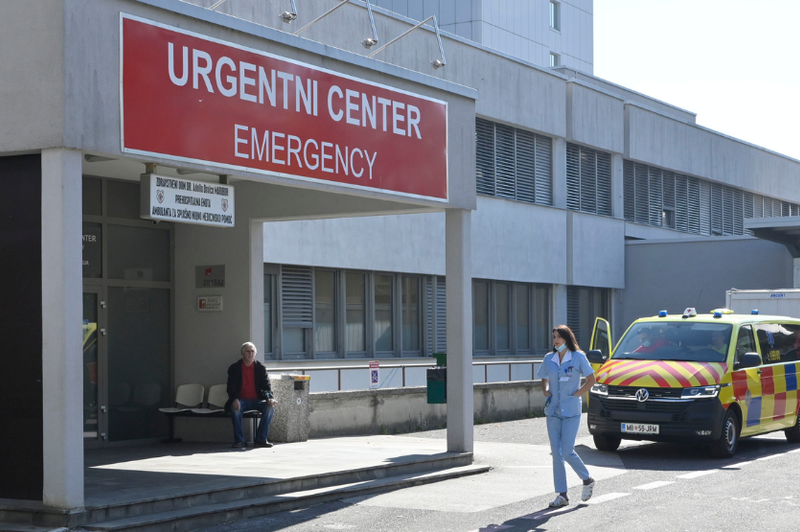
<point x="209" y="276"/>
<point x="374" y="373"/>
<point x="209" y="303"/>
<point x="92" y="250"/>
<point x="189" y="97"/>
<point x="182" y="200"/>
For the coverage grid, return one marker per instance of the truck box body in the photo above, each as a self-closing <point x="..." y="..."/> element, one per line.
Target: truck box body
<point x="783" y="302"/>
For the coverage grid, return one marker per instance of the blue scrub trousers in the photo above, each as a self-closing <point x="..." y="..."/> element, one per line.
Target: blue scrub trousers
<point x="562" y="433"/>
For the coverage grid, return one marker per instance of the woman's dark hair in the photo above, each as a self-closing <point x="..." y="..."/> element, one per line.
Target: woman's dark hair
<point x="568" y="336"/>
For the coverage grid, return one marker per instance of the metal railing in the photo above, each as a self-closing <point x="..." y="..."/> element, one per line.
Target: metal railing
<point x="485" y="363"/>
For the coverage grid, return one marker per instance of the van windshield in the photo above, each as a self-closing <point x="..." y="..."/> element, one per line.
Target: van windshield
<point x="676" y="340"/>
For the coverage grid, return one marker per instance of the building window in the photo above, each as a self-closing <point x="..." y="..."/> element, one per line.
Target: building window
<point x="588" y="180"/>
<point x="480" y="312"/>
<point x="509" y="318"/>
<point x="555" y="59"/>
<point x="410" y="311"/>
<point x="513" y="163"/>
<point x="297" y="308"/>
<point x="583" y="306"/>
<point x="355" y="312"/>
<point x="383" y="313"/>
<point x="324" y="305"/>
<point x="555" y="15"/>
<point x="688" y="204"/>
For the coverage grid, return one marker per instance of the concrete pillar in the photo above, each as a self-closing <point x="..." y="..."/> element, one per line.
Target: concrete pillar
<point x="559" y="304"/>
<point x="459" y="330"/>
<point x="560" y="173"/>
<point x="617" y="186"/>
<point x="62" y="353"/>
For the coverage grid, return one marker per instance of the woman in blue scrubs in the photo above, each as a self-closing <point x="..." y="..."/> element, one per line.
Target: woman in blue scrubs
<point x="561" y="373"/>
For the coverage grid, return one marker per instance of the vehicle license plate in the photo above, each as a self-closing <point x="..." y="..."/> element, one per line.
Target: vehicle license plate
<point x="639" y="428"/>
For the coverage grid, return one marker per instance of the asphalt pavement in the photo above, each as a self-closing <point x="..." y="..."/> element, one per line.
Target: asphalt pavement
<point x="644" y="486"/>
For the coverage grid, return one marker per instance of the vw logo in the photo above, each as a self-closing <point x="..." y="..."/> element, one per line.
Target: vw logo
<point x="642" y="395"/>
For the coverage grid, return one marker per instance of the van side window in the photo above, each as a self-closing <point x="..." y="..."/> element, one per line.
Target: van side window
<point x="745" y="342"/>
<point x="779" y="342"/>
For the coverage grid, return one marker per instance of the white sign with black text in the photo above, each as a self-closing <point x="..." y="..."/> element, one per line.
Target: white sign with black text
<point x="182" y="200"/>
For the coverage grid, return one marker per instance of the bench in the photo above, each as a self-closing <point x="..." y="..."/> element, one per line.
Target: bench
<point x="215" y="407"/>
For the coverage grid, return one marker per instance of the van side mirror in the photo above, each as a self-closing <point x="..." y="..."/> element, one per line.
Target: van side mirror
<point x="595" y="356"/>
<point x="748" y="360"/>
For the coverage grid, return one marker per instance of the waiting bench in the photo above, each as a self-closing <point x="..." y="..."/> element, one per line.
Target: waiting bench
<point x="189" y="404"/>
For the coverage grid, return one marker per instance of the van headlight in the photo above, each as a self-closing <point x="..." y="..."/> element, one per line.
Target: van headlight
<point x="599" y="389"/>
<point x="700" y="392"/>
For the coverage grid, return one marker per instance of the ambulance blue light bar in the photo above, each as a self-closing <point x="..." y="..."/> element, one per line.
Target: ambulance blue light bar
<point x="662" y="313"/>
<point x="717" y="314"/>
<point x="754" y="311"/>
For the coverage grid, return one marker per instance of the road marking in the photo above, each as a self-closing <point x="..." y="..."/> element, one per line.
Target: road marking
<point x="607" y="497"/>
<point x="654" y="485"/>
<point x="696" y="474"/>
<point x="738" y="465"/>
<point x="491" y="528"/>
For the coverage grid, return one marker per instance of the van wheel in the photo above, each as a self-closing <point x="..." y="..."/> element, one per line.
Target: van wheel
<point x="793" y="434"/>
<point x="728" y="441"/>
<point x="606" y="443"/>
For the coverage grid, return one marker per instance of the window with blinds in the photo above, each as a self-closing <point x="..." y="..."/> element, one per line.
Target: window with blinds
<point x="510" y="318"/>
<point x="583" y="306"/>
<point x="662" y="198"/>
<point x="513" y="163"/>
<point x="588" y="180"/>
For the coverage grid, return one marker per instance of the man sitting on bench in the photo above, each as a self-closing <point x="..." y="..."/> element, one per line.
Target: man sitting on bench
<point x="249" y="389"/>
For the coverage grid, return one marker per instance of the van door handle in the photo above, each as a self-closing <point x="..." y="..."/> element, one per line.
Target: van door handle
<point x="759" y="372"/>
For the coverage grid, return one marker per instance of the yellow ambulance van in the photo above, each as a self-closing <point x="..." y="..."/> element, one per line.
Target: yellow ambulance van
<point x="711" y="378"/>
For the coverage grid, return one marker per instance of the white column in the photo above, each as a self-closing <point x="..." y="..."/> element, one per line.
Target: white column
<point x="62" y="314"/>
<point x="459" y="330"/>
<point x="257" y="286"/>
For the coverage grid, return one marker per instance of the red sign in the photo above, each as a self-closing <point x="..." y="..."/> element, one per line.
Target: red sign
<point x="192" y="98"/>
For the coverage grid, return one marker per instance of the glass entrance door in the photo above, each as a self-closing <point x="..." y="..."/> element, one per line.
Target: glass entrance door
<point x="91" y="358"/>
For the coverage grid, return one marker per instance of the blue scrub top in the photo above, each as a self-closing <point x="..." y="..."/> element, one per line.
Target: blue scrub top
<point x="565" y="379"/>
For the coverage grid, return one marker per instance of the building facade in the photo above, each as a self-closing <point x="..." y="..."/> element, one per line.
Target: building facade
<point x="460" y="192"/>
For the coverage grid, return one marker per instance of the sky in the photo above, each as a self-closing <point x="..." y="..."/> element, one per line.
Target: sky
<point x="735" y="63"/>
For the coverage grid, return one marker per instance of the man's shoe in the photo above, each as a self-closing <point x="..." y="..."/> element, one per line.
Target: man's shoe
<point x="559" y="501"/>
<point x="239" y="445"/>
<point x="263" y="444"/>
<point x="587" y="491"/>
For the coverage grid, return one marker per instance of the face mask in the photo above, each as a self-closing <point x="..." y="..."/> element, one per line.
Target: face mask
<point x="647" y="343"/>
<point x="561" y="348"/>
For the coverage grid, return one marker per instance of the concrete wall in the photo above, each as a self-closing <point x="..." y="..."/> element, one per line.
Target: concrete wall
<point x="674" y="275"/>
<point x="594" y="117"/>
<point x="386" y="411"/>
<point x="31" y="75"/>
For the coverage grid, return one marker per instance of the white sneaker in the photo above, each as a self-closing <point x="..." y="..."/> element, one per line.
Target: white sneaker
<point x="587" y="491"/>
<point x="559" y="501"/>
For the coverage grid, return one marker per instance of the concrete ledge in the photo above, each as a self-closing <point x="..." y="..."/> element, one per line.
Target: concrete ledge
<point x="400" y="410"/>
<point x="386" y="411"/>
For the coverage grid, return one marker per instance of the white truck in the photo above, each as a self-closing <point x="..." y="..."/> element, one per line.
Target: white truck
<point x="784" y="302"/>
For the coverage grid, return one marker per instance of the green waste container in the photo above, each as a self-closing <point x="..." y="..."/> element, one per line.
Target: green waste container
<point x="441" y="359"/>
<point x="437" y="385"/>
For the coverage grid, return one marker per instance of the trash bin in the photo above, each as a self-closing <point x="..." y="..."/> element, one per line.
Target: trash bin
<point x="441" y="359"/>
<point x="290" y="423"/>
<point x="437" y="385"/>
